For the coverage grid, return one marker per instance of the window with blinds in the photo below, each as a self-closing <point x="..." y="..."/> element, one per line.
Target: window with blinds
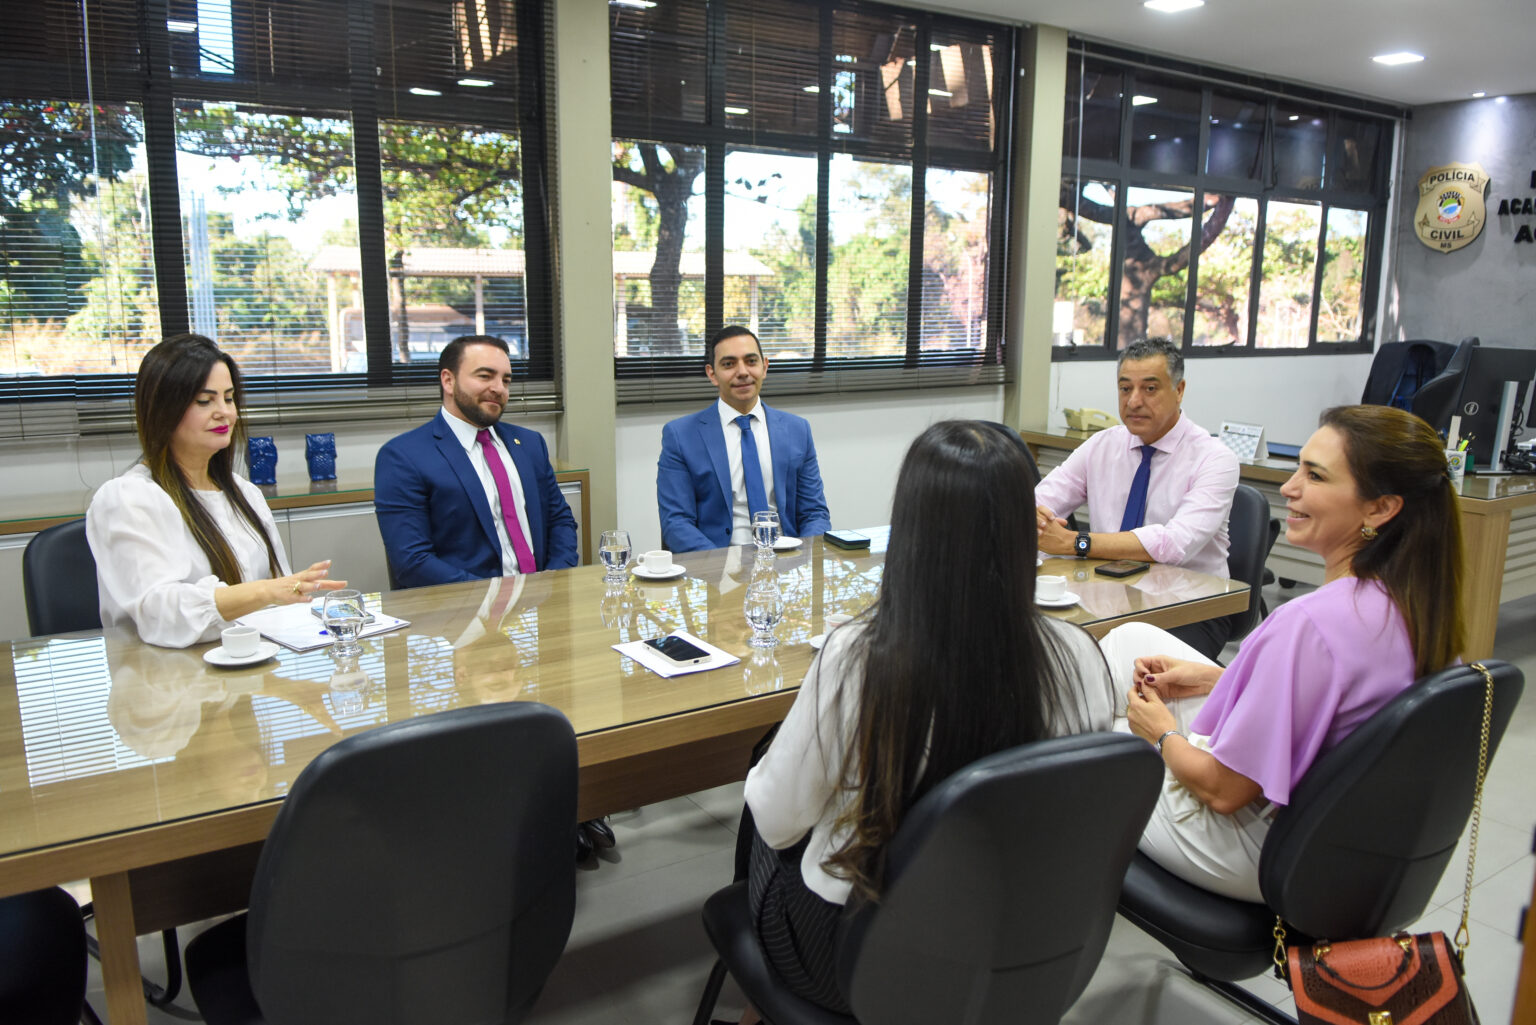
<point x="826" y="173"/>
<point x="330" y="189"/>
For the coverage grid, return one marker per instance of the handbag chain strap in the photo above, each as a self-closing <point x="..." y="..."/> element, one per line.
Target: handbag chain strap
<point x="1463" y="938"/>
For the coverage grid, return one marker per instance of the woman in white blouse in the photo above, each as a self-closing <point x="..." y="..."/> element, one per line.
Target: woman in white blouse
<point x="183" y="544"/>
<point x="951" y="664"/>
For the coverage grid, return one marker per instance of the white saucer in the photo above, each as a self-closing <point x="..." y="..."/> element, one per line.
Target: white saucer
<point x="787" y="544"/>
<point x="674" y="571"/>
<point x="817" y="641"/>
<point x="217" y="657"/>
<point x="1066" y="601"/>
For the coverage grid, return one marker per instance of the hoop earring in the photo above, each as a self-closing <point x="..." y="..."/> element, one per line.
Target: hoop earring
<point x="1368" y="532"/>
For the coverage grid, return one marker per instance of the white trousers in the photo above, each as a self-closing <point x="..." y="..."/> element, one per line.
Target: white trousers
<point x="1213" y="851"/>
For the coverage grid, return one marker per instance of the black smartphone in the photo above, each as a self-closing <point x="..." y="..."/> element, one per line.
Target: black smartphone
<point x="847" y="539"/>
<point x="678" y="651"/>
<point x="1121" y="568"/>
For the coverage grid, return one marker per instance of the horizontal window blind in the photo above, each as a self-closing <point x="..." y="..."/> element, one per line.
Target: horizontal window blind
<point x="825" y="173"/>
<point x="330" y="189"/>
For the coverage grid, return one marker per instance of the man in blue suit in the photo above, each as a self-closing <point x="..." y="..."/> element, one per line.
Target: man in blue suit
<point x="464" y="496"/>
<point x="706" y="487"/>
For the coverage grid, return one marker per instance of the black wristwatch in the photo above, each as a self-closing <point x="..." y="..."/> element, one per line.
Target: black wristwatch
<point x="1082" y="544"/>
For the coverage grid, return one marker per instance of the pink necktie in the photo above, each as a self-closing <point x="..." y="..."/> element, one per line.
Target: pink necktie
<point x="508" y="503"/>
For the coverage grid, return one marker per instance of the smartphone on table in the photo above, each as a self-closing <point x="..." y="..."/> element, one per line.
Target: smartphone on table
<point x="678" y="650"/>
<point x="850" y="539"/>
<point x="1121" y="568"/>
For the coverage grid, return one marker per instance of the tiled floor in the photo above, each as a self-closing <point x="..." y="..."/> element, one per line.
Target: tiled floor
<point x="638" y="954"/>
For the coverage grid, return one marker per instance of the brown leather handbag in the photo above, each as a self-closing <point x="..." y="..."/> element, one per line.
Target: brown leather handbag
<point x="1391" y="980"/>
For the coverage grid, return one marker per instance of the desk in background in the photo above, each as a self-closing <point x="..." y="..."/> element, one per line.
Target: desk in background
<point x="1498" y="516"/>
<point x="157" y="776"/>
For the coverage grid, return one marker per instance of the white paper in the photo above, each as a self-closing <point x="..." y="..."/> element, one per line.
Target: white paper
<point x="658" y="664"/>
<point x="298" y="629"/>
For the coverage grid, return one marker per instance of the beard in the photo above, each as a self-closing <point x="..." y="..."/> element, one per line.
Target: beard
<point x="471" y="409"/>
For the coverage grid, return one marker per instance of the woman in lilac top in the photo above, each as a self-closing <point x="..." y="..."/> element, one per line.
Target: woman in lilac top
<point x="1372" y="497"/>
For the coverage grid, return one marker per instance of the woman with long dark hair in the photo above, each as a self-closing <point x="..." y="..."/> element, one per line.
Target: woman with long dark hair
<point x="182" y="543"/>
<point x="951" y="664"/>
<point x="1371" y="496"/>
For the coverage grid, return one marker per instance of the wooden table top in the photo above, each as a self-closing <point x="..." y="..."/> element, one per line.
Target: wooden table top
<point x="103" y="738"/>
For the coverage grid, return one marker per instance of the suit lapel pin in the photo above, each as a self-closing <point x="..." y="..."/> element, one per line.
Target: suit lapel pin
<point x="517" y="441"/>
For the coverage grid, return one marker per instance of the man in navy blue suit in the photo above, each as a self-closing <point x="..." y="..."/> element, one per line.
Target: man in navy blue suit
<point x="705" y="485"/>
<point x="464" y="496"/>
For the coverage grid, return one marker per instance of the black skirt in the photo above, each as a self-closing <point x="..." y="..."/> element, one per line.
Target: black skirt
<point x="796" y="927"/>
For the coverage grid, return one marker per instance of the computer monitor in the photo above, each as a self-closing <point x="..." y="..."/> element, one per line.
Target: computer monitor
<point x="1476" y="392"/>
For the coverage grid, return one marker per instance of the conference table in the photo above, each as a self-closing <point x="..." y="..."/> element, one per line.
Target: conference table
<point x="156" y="775"/>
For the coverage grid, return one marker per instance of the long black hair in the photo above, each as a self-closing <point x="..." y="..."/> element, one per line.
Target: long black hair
<point x="170" y="378"/>
<point x="957" y="663"/>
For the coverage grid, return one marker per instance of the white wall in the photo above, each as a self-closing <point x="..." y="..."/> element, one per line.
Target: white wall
<point x="860" y="441"/>
<point x="1283" y="393"/>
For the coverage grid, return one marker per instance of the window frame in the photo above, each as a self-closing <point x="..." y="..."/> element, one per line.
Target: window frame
<point x="1120" y="173"/>
<point x="649" y="379"/>
<point x="101" y="403"/>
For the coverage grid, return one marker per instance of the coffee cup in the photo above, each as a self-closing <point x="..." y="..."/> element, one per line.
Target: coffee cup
<point x="835" y="620"/>
<point x="1050" y="588"/>
<point x="240" y="641"/>
<point x="658" y="561"/>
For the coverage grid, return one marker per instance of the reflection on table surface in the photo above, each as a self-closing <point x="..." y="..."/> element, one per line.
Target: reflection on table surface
<point x="101" y="734"/>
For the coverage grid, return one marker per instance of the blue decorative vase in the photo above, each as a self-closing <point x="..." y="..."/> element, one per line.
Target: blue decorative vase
<point x="320" y="454"/>
<point x="261" y="455"/>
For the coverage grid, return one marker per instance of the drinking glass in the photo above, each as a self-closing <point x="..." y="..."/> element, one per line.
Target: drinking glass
<point x="615" y="550"/>
<point x="344" y="612"/>
<point x="762" y="672"/>
<point x="764" y="607"/>
<point x="765" y="530"/>
<point x="349" y="687"/>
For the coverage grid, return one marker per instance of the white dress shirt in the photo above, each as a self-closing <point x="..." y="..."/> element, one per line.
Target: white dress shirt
<point x="741" y="516"/>
<point x="150" y="571"/>
<point x="466" y="433"/>
<point x="1189" y="492"/>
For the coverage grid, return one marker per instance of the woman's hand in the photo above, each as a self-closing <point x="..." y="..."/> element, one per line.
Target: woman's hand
<point x="303" y="585"/>
<point x="1148" y="716"/>
<point x="1170" y="677"/>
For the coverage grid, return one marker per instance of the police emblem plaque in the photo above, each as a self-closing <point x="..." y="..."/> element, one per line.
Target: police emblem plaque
<point x="1451" y="212"/>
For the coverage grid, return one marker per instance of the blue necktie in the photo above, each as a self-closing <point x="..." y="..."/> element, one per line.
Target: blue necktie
<point x="1136" y="502"/>
<point x="751" y="469"/>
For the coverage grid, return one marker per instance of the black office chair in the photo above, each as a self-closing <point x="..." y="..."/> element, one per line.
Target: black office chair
<point x="42" y="960"/>
<point x="999" y="898"/>
<point x="1400" y="369"/>
<point x="1252" y="532"/>
<point x="1358" y="851"/>
<point x="418" y="872"/>
<point x="58" y="579"/>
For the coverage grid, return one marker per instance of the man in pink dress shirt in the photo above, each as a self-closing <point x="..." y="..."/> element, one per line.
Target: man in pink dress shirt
<point x="1179" y="512"/>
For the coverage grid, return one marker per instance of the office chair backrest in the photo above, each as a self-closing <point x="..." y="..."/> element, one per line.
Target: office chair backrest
<point x="1400" y="369"/>
<point x="58" y="576"/>
<point x="1373" y="823"/>
<point x="1248" y="527"/>
<point x="42" y="958"/>
<point x="1001" y="886"/>
<point x="420" y="872"/>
